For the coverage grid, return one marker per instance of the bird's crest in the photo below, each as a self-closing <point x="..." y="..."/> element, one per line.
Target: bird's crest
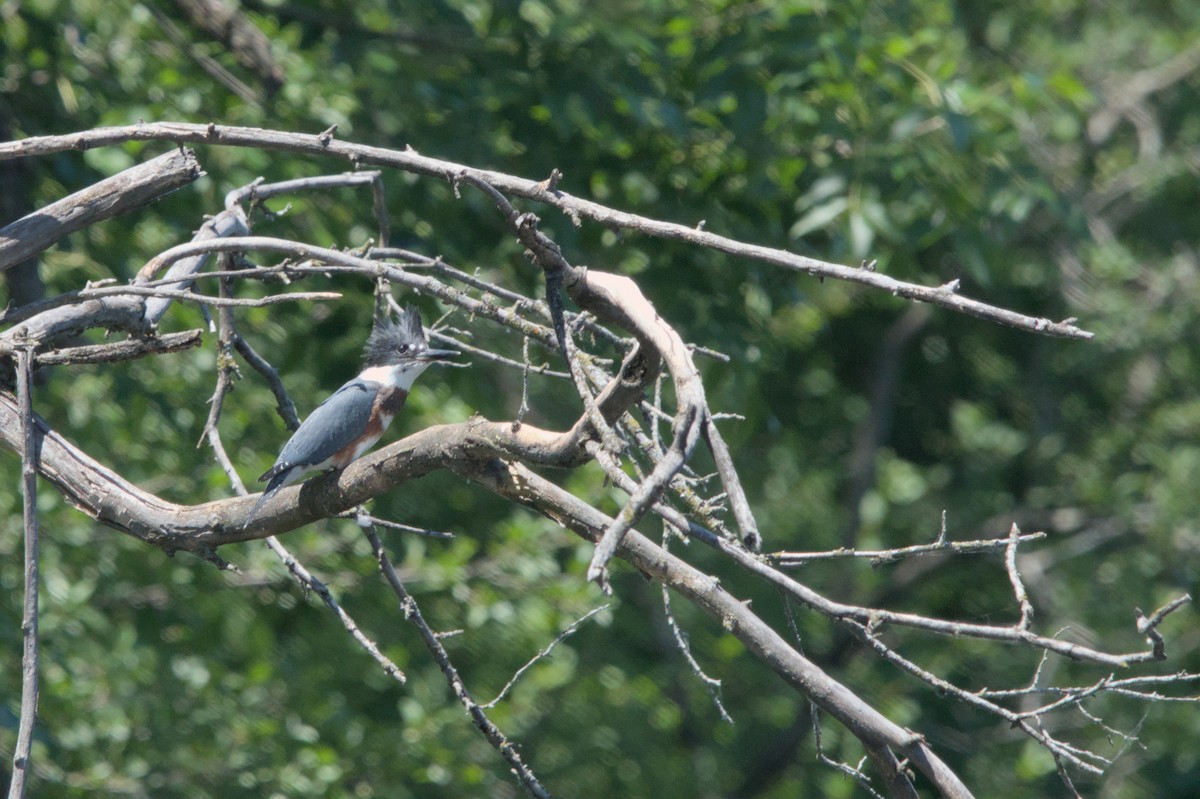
<point x="391" y="338"/>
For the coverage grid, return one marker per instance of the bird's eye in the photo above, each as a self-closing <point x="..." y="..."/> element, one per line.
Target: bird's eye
<point x="404" y="348"/>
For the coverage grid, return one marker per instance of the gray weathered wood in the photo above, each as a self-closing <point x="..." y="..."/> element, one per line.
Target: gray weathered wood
<point x="123" y="192"/>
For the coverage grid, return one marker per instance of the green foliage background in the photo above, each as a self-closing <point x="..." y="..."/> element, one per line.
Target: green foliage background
<point x="947" y="141"/>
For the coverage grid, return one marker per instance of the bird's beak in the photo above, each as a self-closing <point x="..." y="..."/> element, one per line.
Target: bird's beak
<point x="438" y="355"/>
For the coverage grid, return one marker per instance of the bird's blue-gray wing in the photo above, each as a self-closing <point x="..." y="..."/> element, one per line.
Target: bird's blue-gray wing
<point x="334" y="425"/>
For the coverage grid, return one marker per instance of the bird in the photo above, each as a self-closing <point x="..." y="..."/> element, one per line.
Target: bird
<point x="354" y="417"/>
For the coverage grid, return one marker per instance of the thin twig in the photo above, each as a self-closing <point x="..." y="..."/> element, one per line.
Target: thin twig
<point x="257" y="191"/>
<point x="664" y="341"/>
<point x="711" y="684"/>
<point x="878" y="616"/>
<point x="311" y="583"/>
<point x="815" y="711"/>
<point x="433" y="643"/>
<point x="127" y="350"/>
<point x="1082" y="759"/>
<point x="738" y="502"/>
<point x="523" y="408"/>
<point x="520" y="301"/>
<point x="191" y="296"/>
<point x="404" y="528"/>
<point x="546" y="253"/>
<point x="853" y="772"/>
<point x="226" y="372"/>
<point x="284" y="404"/>
<point x="642" y="498"/>
<point x="544" y="653"/>
<point x="487" y="355"/>
<point x="337" y="261"/>
<point x="881" y="556"/>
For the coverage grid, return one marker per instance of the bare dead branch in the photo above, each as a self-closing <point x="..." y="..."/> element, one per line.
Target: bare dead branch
<point x="488" y="355"/>
<point x="310" y="583"/>
<point x="550" y="258"/>
<point x="433" y="643"/>
<point x="519" y="301"/>
<point x="118" y="503"/>
<point x="258" y="191"/>
<point x="287" y="410"/>
<point x="335" y="261"/>
<point x="404" y="528"/>
<point x="29" y="620"/>
<point x="645" y="495"/>
<point x="879" y="557"/>
<point x="543" y="654"/>
<point x="454" y="447"/>
<point x="127" y="350"/>
<point x="711" y="684"/>
<point x="123" y="313"/>
<point x="1014" y="577"/>
<point x="853" y="772"/>
<point x="226" y="372"/>
<point x="216" y="302"/>
<point x="738" y="501"/>
<point x="411" y="161"/>
<point x="515" y="482"/>
<point x="231" y="222"/>
<point x="621" y="301"/>
<point x="497" y="454"/>
<point x="877" y="616"/>
<point x="1149" y="626"/>
<point x="1085" y="761"/>
<point x="111" y="197"/>
<point x="234" y="221"/>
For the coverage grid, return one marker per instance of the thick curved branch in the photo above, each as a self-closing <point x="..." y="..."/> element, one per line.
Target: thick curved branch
<point x="468" y="449"/>
<point x="112" y="500"/>
<point x="235" y="221"/>
<point x="620" y="299"/>
<point x="124" y="308"/>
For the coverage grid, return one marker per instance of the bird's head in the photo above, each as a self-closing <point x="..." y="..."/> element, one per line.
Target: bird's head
<point x="401" y="342"/>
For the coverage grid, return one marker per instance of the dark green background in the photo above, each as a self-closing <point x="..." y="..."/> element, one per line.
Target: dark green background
<point x="948" y="141"/>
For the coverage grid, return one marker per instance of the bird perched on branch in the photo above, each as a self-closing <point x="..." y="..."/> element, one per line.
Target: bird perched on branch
<point x="349" y="423"/>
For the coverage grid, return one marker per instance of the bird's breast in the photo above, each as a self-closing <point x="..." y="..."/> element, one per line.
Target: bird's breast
<point x="388" y="402"/>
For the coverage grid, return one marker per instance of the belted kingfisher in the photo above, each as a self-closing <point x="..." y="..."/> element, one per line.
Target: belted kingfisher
<point x="349" y="423"/>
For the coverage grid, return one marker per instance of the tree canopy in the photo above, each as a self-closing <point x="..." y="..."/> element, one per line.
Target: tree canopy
<point x="1040" y="158"/>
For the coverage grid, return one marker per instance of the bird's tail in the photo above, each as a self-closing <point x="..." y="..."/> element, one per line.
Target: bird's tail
<point x="278" y="481"/>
